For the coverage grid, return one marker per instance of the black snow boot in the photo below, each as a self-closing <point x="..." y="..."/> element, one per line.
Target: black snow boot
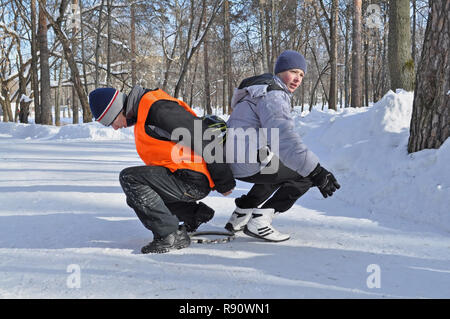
<point x="203" y="214"/>
<point x="176" y="240"/>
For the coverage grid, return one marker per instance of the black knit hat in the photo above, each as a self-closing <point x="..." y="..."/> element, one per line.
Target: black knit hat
<point x="106" y="104"/>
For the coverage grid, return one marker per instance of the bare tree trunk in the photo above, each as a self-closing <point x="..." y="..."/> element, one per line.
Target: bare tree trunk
<point x="377" y="66"/>
<point x="75" y="109"/>
<point x="228" y="63"/>
<point x="347" y="62"/>
<point x="319" y="23"/>
<point x="366" y="67"/>
<point x="320" y="73"/>
<point x="269" y="47"/>
<point x="56" y="25"/>
<point x="24" y="111"/>
<point x="356" y="56"/>
<point x="24" y="104"/>
<point x="169" y="58"/>
<point x="192" y="45"/>
<point x="133" y="43"/>
<point x="304" y="83"/>
<point x="108" y="45"/>
<point x="319" y="79"/>
<point x="333" y="55"/>
<point x="34" y="65"/>
<point x="45" y="68"/>
<point x="206" y="69"/>
<point x="375" y="75"/>
<point x="263" y="37"/>
<point x="192" y="82"/>
<point x="83" y="56"/>
<point x="6" y="103"/>
<point x="224" y="90"/>
<point x="430" y="122"/>
<point x="97" y="47"/>
<point x="401" y="64"/>
<point x="341" y="92"/>
<point x="58" y="95"/>
<point x="384" y="76"/>
<point x="413" y="40"/>
<point x="275" y="29"/>
<point x="2" y="103"/>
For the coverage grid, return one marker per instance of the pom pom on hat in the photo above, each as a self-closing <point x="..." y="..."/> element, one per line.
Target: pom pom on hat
<point x="290" y="59"/>
<point x="106" y="104"/>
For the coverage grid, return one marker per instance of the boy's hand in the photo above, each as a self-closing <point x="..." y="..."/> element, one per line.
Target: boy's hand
<point x="227" y="193"/>
<point x="324" y="180"/>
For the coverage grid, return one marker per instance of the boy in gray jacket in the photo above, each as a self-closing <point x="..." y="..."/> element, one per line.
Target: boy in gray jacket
<point x="263" y="148"/>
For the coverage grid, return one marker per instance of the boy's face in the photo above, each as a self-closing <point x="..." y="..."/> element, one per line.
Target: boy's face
<point x="292" y="78"/>
<point x="119" y="122"/>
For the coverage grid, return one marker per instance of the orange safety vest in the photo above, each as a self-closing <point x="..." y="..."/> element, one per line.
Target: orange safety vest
<point x="155" y="152"/>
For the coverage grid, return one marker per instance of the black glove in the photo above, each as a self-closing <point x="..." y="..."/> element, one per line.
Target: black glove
<point x="324" y="180"/>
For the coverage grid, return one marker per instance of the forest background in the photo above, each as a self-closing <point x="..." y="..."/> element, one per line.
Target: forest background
<point x="53" y="53"/>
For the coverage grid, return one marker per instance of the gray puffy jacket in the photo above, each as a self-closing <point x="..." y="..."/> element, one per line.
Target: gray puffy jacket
<point x="262" y="118"/>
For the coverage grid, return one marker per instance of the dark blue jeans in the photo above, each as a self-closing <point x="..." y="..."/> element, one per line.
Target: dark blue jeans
<point x="160" y="198"/>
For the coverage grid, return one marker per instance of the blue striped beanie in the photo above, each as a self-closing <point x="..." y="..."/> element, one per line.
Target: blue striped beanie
<point x="290" y="59"/>
<point x="106" y="104"/>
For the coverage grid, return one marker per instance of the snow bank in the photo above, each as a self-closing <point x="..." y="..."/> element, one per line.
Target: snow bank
<point x="367" y="151"/>
<point x="26" y="131"/>
<point x="93" y="131"/>
<point x="87" y="131"/>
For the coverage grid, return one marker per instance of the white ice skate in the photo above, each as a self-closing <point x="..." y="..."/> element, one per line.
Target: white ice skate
<point x="239" y="219"/>
<point x="259" y="226"/>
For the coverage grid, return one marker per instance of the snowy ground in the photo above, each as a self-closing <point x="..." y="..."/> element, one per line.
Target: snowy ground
<point x="66" y="231"/>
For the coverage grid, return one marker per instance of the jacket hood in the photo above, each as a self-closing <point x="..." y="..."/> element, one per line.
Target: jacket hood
<point x="257" y="86"/>
<point x="132" y="103"/>
<point x="253" y="91"/>
<point x="134" y="96"/>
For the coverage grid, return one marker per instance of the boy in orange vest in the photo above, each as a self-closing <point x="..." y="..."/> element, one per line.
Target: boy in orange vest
<point x="165" y="191"/>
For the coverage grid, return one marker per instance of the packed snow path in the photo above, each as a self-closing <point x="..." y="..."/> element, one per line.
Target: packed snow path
<point x="63" y="213"/>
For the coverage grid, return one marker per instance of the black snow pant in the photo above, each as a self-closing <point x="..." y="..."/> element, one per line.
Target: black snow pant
<point x="287" y="184"/>
<point x="160" y="198"/>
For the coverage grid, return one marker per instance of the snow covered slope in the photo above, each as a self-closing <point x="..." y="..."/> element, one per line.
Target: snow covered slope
<point x="66" y="231"/>
<point x="367" y="149"/>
